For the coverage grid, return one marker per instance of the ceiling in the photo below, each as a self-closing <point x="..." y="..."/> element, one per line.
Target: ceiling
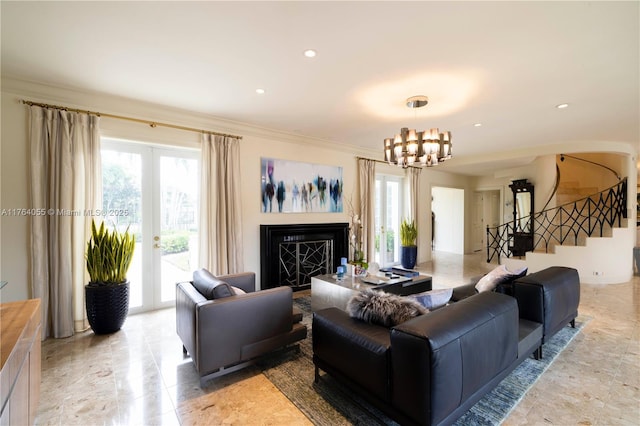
<point x="505" y="65"/>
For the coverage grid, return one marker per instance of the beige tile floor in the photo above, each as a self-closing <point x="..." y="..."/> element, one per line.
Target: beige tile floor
<point x="138" y="376"/>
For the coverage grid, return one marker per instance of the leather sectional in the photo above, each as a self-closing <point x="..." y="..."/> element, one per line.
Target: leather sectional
<point x="433" y="368"/>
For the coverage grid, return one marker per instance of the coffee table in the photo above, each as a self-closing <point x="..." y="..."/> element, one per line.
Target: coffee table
<point x="327" y="291"/>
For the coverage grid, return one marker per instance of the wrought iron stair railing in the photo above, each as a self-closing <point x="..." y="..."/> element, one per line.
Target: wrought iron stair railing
<point x="568" y="224"/>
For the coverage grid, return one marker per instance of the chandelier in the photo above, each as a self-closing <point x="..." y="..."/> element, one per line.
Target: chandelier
<point x="411" y="147"/>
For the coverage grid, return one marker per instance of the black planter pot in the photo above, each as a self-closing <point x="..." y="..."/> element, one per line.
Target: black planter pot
<point x="107" y="306"/>
<point x="408" y="256"/>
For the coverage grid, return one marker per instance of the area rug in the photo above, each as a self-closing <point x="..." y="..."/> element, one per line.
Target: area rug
<point x="330" y="403"/>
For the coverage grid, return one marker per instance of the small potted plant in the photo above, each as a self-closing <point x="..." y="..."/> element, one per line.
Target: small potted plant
<point x="108" y="256"/>
<point x="408" y="246"/>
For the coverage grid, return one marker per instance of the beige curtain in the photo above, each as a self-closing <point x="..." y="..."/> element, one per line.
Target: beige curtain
<point x="220" y="205"/>
<point x="65" y="186"/>
<point x="367" y="192"/>
<point x="414" y="192"/>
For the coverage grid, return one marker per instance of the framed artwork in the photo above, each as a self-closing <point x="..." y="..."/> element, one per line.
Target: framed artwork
<point x="297" y="187"/>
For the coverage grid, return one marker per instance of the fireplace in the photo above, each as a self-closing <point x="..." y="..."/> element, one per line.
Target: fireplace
<point x="292" y="254"/>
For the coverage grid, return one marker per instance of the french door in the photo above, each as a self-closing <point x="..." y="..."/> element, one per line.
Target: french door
<point x="388" y="213"/>
<point x="155" y="193"/>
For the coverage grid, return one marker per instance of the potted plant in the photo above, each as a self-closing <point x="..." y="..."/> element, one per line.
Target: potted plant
<point x="409" y="248"/>
<point x="108" y="256"/>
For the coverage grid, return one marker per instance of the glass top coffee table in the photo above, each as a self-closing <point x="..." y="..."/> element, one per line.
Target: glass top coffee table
<point x="327" y="291"/>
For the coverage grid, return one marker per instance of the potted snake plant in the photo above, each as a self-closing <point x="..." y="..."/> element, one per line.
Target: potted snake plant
<point x="109" y="254"/>
<point x="408" y="244"/>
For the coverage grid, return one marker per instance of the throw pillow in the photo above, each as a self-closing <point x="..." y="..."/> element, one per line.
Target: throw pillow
<point x="492" y="279"/>
<point x="237" y="291"/>
<point x="433" y="299"/>
<point x="210" y="286"/>
<point x="519" y="273"/>
<point x="378" y="307"/>
<point x="498" y="275"/>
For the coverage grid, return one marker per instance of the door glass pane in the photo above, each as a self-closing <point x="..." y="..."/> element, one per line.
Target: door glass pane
<point x="122" y="197"/>
<point x="387" y="220"/>
<point x="178" y="222"/>
<point x="393" y="222"/>
<point x="379" y="234"/>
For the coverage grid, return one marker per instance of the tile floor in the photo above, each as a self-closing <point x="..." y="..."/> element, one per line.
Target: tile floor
<point x="138" y="375"/>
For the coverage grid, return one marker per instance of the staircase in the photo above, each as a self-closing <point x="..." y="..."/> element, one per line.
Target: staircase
<point x="578" y="204"/>
<point x="587" y="233"/>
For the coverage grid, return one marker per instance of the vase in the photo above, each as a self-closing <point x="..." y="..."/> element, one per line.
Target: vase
<point x="408" y="256"/>
<point x="107" y="306"/>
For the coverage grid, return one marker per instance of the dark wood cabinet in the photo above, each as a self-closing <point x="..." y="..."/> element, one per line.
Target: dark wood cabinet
<point x="522" y="231"/>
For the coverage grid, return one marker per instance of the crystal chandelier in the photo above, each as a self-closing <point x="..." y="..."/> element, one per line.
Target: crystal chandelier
<point x="411" y="147"/>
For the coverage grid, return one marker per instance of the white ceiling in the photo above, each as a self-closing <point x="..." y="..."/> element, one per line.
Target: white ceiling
<point x="503" y="64"/>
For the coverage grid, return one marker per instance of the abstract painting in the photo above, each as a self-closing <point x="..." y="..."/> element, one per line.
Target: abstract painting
<point x="296" y="187"/>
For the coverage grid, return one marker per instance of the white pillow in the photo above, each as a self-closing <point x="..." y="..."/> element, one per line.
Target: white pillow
<point x="434" y="299"/>
<point x="238" y="291"/>
<point x="493" y="278"/>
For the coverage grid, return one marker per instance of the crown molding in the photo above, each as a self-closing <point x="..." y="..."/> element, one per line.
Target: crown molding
<point x="74" y="97"/>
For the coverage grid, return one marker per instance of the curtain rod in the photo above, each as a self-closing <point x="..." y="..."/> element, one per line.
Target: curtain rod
<point x="383" y="162"/>
<point x="153" y="124"/>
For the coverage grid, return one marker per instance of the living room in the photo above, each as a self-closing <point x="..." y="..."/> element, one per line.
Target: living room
<point x="477" y="164"/>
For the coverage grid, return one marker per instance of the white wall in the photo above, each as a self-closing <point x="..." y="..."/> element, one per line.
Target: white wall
<point x="448" y="206"/>
<point x="14" y="171"/>
<point x="589" y="175"/>
<point x="598" y="262"/>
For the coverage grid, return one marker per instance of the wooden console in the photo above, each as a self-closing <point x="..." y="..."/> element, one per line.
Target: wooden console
<point x="20" y="325"/>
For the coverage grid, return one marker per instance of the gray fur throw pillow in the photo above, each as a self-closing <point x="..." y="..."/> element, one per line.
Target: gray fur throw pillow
<point x="382" y="308"/>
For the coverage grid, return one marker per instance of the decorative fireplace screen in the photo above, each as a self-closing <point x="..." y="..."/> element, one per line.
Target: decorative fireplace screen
<point x="291" y="254"/>
<point x="301" y="260"/>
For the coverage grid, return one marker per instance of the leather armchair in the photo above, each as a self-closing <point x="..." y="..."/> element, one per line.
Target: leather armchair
<point x="226" y="333"/>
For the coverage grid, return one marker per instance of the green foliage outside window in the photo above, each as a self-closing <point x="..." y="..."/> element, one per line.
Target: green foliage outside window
<point x="175" y="242"/>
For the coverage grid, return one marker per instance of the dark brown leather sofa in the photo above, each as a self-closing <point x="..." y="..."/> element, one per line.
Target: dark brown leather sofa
<point x="224" y="331"/>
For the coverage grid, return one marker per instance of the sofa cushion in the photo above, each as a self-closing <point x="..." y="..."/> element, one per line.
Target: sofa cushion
<point x="209" y="286"/>
<point x="499" y="275"/>
<point x="378" y="307"/>
<point x="433" y="299"/>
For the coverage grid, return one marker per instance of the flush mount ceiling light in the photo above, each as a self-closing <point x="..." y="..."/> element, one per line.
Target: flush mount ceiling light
<point x="310" y="53"/>
<point x="425" y="148"/>
<point x="562" y="106"/>
<point x="260" y="91"/>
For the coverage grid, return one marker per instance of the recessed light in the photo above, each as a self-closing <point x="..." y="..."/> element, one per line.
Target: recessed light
<point x="477" y="125"/>
<point x="260" y="91"/>
<point x="561" y="106"/>
<point x="310" y="53"/>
